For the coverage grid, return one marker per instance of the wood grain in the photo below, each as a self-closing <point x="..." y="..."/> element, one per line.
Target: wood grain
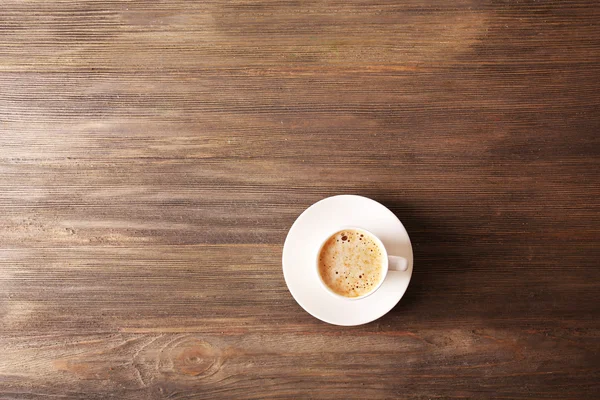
<point x="153" y="156"/>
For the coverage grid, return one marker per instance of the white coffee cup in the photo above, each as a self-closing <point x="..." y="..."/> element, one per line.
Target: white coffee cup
<point x="390" y="263"/>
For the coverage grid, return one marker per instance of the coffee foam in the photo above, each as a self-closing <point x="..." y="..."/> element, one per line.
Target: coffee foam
<point x="351" y="263"/>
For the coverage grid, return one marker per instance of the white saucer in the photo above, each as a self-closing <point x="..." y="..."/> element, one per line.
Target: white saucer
<point x="299" y="253"/>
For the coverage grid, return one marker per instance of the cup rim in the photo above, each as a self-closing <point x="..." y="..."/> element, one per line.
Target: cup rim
<point x="385" y="263"/>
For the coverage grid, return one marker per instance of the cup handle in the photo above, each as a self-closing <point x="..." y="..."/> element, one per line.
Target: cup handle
<point x="396" y="263"/>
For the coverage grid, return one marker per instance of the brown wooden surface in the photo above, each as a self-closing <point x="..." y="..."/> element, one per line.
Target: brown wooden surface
<point x="154" y="154"/>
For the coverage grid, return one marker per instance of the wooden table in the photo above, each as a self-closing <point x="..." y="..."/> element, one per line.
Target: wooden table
<point x="153" y="155"/>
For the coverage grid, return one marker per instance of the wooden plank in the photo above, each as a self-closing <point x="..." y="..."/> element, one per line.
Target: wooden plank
<point x="453" y="362"/>
<point x="153" y="156"/>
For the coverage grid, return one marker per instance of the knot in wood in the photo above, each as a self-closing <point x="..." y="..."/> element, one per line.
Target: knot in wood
<point x="195" y="357"/>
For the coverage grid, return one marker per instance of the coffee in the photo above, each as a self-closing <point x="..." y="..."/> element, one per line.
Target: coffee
<point x="351" y="263"/>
